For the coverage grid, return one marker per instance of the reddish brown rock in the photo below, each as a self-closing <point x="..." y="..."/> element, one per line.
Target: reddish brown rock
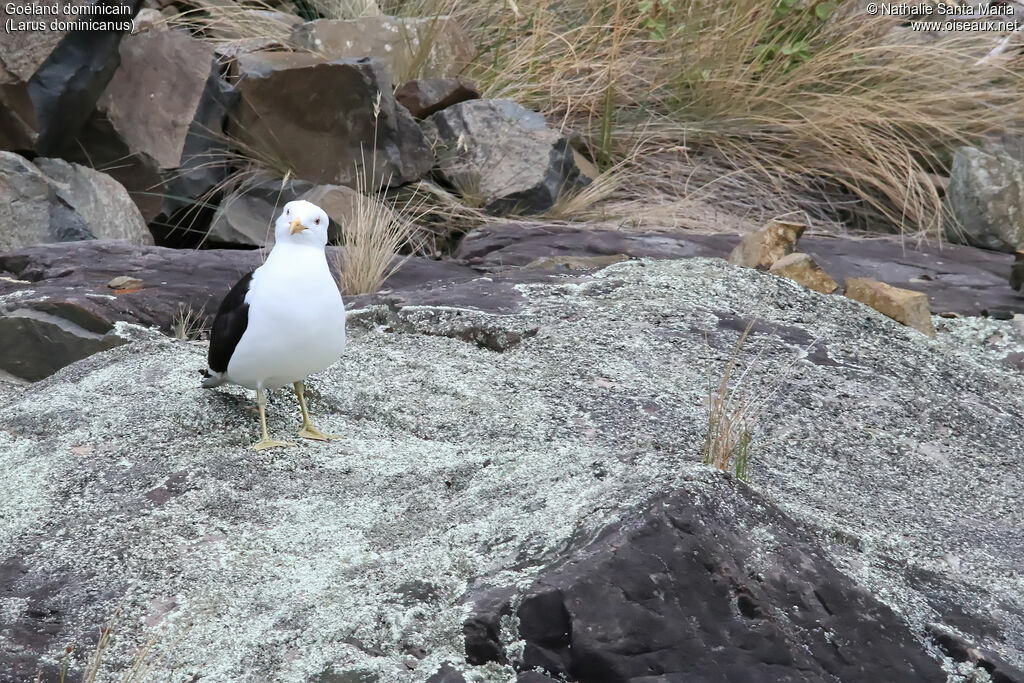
<point x="902" y="305"/>
<point x="139" y="130"/>
<point x="423" y="97"/>
<point x="763" y="248"/>
<point x="802" y="268"/>
<point x="326" y="138"/>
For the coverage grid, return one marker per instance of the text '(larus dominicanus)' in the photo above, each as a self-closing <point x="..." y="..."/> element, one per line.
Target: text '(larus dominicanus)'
<point x="283" y="321"/>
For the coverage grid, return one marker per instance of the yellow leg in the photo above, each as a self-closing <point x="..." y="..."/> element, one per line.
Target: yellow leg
<point x="266" y="441"/>
<point x="308" y="431"/>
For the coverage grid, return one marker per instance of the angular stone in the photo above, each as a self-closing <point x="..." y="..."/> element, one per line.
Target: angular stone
<point x="65" y="203"/>
<point x="763" y="248"/>
<point x="986" y="195"/>
<point x="409" y="47"/>
<point x="145" y="114"/>
<point x="327" y="138"/>
<point x="53" y="82"/>
<point x="425" y="96"/>
<point x="102" y="202"/>
<point x="246" y="216"/>
<point x="36" y="343"/>
<point x="503" y="156"/>
<point x="802" y="268"/>
<point x="902" y="305"/>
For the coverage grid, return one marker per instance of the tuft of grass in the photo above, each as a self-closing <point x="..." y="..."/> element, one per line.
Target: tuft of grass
<point x="730" y="430"/>
<point x="187" y="324"/>
<point x="777" y="105"/>
<point x="375" y="233"/>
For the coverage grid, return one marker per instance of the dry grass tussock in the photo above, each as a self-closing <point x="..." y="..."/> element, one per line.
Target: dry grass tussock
<point x="734" y="412"/>
<point x="759" y="107"/>
<point x="763" y="106"/>
<point x="376" y="232"/>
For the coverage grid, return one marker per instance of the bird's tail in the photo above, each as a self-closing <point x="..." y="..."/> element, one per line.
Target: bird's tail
<point x="212" y="378"/>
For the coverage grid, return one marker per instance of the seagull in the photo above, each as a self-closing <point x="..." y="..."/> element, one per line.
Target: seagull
<point x="283" y="321"/>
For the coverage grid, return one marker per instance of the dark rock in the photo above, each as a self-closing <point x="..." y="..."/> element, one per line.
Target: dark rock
<point x="1017" y="271"/>
<point x="44" y="114"/>
<point x="204" y="157"/>
<point x="325" y="140"/>
<point x="447" y="674"/>
<point x="426" y="96"/>
<point x="997" y="313"/>
<point x="960" y="649"/>
<point x="66" y="310"/>
<point x="503" y="156"/>
<point x="680" y="590"/>
<point x="137" y="133"/>
<point x="958" y="279"/>
<point x="37" y="343"/>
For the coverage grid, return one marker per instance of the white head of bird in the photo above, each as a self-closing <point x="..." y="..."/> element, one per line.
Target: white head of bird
<point x="302" y="222"/>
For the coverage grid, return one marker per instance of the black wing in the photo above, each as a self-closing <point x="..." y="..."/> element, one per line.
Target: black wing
<point x="229" y="325"/>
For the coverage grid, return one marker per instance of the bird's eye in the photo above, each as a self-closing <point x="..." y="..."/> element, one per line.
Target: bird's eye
<point x="287" y="212"/>
<point x="317" y="221"/>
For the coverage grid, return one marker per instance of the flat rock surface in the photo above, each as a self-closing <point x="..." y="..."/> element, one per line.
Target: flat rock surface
<point x="956" y="278"/>
<point x="897" y="456"/>
<point x="77" y="274"/>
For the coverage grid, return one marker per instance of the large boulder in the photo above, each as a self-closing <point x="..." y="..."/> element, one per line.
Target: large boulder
<point x="51" y="78"/>
<point x="56" y="201"/>
<point x="986" y="195"/>
<point x="886" y="473"/>
<point x="158" y="100"/>
<point x="669" y="589"/>
<point x="410" y="47"/>
<point x="328" y="121"/>
<point x="503" y="156"/>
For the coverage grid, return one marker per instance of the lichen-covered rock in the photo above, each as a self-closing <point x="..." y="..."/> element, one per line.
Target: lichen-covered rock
<point x="409" y="47"/>
<point x="56" y="201"/>
<point x="125" y="484"/>
<point x="804" y="269"/>
<point x="503" y="156"/>
<point x="902" y="305"/>
<point x="329" y="138"/>
<point x="763" y="248"/>
<point x="986" y="195"/>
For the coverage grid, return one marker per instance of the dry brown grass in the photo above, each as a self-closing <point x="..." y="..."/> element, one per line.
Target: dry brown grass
<point x="708" y="101"/>
<point x="376" y="233"/>
<point x="730" y="429"/>
<point x="848" y="130"/>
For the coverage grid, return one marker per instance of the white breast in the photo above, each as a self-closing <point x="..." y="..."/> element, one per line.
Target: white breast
<point x="296" y="320"/>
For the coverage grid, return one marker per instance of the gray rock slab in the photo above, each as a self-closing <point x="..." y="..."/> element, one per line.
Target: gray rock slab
<point x="125" y="484"/>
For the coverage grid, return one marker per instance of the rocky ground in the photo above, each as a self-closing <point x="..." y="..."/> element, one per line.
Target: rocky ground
<point x="509" y="464"/>
<point x="519" y="494"/>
